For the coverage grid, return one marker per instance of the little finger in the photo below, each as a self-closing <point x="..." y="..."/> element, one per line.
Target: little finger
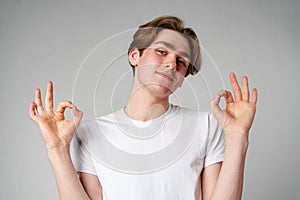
<point x="254" y="96"/>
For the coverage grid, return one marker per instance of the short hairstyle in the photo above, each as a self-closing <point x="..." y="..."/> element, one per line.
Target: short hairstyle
<point x="147" y="33"/>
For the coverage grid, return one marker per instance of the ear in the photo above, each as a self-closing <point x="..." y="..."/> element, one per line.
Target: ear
<point x="134" y="56"/>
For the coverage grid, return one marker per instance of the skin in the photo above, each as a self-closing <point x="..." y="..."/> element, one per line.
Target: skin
<point x="159" y="72"/>
<point x="150" y="85"/>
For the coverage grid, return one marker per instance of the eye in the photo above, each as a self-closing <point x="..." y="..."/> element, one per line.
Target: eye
<point x="162" y="52"/>
<point x="181" y="62"/>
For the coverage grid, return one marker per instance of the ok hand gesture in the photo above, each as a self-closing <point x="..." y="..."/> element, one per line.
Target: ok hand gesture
<point x="55" y="129"/>
<point x="239" y="113"/>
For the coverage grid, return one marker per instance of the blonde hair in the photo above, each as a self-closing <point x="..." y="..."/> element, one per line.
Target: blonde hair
<point x="147" y="33"/>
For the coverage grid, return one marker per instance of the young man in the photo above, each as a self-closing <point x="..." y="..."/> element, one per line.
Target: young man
<point x="152" y="149"/>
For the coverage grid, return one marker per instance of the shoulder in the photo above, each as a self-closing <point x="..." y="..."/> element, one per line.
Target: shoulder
<point x="203" y="121"/>
<point x="98" y="120"/>
<point x="194" y="113"/>
<point x="94" y="125"/>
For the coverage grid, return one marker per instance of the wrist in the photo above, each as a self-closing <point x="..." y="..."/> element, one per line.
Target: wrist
<point x="61" y="151"/>
<point x="59" y="146"/>
<point x="237" y="140"/>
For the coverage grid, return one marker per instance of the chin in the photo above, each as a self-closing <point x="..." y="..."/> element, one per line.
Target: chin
<point x="160" y="90"/>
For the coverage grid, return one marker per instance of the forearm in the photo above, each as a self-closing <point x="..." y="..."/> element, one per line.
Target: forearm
<point x="68" y="183"/>
<point x="230" y="182"/>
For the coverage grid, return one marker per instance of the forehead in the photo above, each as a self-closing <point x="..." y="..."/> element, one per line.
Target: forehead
<point x="178" y="41"/>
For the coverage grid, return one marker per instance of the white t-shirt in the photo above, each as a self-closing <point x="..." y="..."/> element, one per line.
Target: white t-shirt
<point x="159" y="159"/>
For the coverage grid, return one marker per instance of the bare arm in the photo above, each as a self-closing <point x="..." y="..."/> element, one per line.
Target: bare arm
<point x="236" y="121"/>
<point x="209" y="178"/>
<point x="57" y="133"/>
<point x="91" y="185"/>
<point x="67" y="180"/>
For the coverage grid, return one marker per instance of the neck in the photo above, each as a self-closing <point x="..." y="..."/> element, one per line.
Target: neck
<point x="144" y="106"/>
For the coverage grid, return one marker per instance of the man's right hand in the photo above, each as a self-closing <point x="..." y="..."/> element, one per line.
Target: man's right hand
<point x="55" y="129"/>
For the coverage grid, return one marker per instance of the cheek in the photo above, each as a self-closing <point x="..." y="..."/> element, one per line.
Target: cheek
<point x="180" y="78"/>
<point x="182" y="71"/>
<point x="150" y="59"/>
<point x="144" y="71"/>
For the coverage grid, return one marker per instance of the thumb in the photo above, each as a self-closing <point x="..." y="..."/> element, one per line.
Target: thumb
<point x="217" y="111"/>
<point x="77" y="116"/>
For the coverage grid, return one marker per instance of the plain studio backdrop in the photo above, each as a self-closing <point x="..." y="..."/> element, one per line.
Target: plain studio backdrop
<point x="81" y="46"/>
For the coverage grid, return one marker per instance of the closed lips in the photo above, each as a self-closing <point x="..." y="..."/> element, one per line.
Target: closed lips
<point x="166" y="76"/>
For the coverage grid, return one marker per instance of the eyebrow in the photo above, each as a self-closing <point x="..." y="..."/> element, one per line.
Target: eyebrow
<point x="172" y="47"/>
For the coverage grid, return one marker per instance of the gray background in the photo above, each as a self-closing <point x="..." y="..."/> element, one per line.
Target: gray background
<point x="48" y="40"/>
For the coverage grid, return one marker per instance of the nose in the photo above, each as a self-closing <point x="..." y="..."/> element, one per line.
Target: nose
<point x="171" y="61"/>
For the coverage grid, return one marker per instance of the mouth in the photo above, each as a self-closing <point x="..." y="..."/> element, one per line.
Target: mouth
<point x="165" y="76"/>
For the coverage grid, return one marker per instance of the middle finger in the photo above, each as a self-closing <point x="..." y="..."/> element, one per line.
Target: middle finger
<point x="235" y="87"/>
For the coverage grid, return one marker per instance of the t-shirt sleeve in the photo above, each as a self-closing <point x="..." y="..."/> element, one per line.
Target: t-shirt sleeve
<point x="215" y="143"/>
<point x="80" y="156"/>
